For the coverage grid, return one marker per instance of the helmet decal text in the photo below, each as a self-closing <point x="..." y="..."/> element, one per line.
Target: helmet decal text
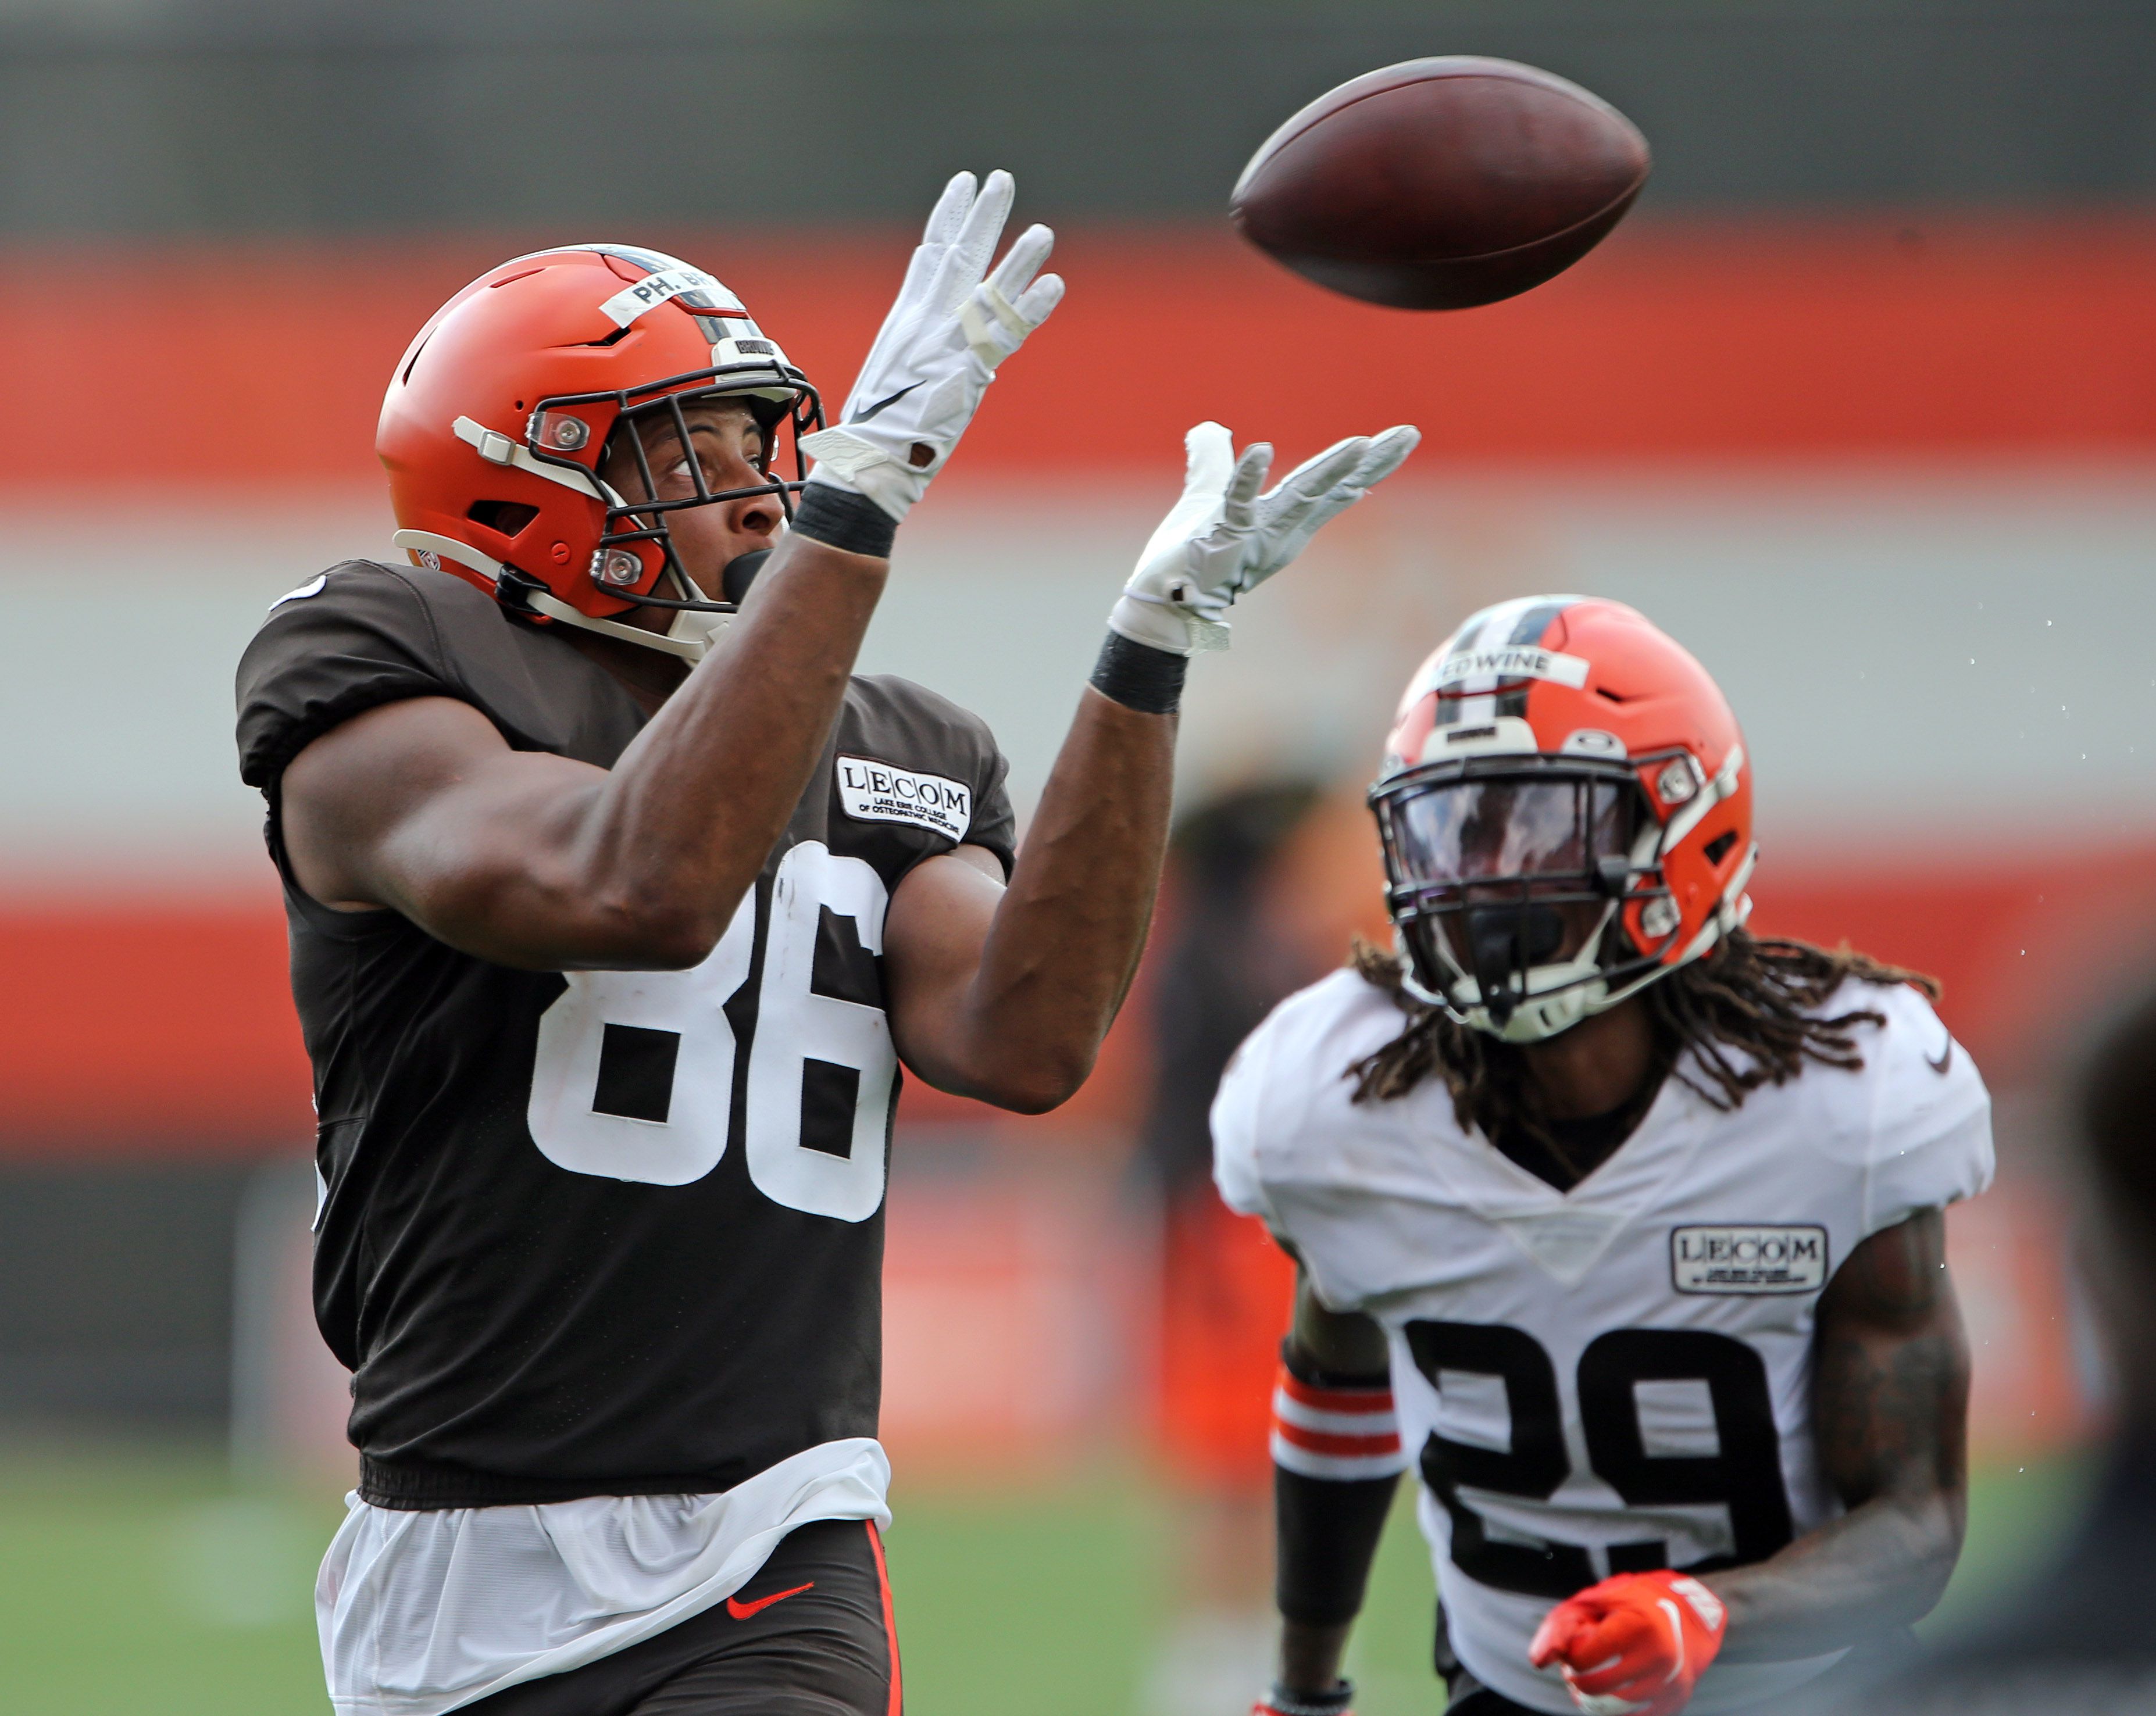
<point x="1506" y="661"/>
<point x="654" y="289"/>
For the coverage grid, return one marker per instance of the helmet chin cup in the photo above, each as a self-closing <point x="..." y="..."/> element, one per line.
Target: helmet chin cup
<point x="1557" y="998"/>
<point x="741" y="573"/>
<point x="1507" y="942"/>
<point x="1545" y="1016"/>
<point x="1511" y="998"/>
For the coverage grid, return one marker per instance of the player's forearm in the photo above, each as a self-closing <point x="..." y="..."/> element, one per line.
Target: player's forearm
<point x="1890" y="1407"/>
<point x="1067" y="933"/>
<point x="689" y="814"/>
<point x="1063" y="943"/>
<point x="1310" y="1656"/>
<point x="1328" y="1512"/>
<point x="1883" y="1564"/>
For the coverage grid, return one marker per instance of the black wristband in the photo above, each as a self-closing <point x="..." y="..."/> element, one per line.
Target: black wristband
<point x="1283" y="1703"/>
<point x="842" y="520"/>
<point x="1140" y="677"/>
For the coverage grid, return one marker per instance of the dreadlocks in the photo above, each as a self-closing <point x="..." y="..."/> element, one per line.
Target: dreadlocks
<point x="1745" y="1012"/>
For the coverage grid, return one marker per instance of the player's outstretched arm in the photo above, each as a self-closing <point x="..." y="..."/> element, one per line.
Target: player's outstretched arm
<point x="1890" y="1411"/>
<point x="1005" y="993"/>
<point x="538" y="861"/>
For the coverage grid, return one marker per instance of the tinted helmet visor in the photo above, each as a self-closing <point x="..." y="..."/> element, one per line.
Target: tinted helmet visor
<point x="1497" y="870"/>
<point x="1540" y="832"/>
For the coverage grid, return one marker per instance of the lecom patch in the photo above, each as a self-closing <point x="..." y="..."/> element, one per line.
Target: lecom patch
<point x="1748" y="1259"/>
<point x="871" y="792"/>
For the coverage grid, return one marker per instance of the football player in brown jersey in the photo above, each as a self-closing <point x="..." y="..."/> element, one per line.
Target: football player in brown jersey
<point x="617" y="903"/>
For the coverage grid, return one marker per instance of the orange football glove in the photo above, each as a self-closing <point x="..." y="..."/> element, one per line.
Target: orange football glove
<point x="1635" y="1645"/>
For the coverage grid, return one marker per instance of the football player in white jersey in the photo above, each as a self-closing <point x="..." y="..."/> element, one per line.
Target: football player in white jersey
<point x="1620" y="1226"/>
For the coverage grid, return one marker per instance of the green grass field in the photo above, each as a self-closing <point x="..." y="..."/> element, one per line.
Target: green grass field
<point x="138" y="1582"/>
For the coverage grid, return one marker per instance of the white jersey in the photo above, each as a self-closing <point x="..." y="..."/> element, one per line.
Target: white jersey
<point x="1612" y="1379"/>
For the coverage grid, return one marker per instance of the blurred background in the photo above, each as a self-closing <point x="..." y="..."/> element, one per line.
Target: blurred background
<point x="1859" y="404"/>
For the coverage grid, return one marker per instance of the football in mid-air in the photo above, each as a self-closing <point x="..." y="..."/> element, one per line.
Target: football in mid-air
<point x="1438" y="184"/>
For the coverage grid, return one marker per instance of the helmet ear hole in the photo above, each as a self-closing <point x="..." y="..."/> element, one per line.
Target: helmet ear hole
<point x="1717" y="848"/>
<point x="505" y="518"/>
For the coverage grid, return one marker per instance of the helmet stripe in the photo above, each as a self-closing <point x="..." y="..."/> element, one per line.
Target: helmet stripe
<point x="1474" y="704"/>
<point x="1529" y="630"/>
<point x="1455" y="711"/>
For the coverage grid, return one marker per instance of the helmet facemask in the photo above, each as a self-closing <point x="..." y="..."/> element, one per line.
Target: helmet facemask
<point x="1523" y="889"/>
<point x="637" y="560"/>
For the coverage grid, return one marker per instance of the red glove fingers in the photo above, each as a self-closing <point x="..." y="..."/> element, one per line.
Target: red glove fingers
<point x="1635" y="1645"/>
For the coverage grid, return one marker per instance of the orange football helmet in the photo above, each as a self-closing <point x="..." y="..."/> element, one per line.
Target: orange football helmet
<point x="1566" y="811"/>
<point x="500" y="411"/>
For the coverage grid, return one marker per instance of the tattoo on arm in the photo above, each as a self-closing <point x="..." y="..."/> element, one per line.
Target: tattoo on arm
<point x="1890" y="1399"/>
<point x="1889" y="1388"/>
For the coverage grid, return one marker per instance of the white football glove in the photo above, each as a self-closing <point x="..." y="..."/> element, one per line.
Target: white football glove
<point x="1224" y="537"/>
<point x="923" y="379"/>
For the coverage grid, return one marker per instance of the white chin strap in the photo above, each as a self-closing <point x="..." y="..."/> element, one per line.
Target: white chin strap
<point x="690" y="637"/>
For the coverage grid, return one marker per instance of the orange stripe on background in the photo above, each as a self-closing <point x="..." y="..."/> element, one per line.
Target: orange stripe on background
<point x="165" y="1025"/>
<point x="151" y="1026"/>
<point x="2029" y="951"/>
<point x="263" y="364"/>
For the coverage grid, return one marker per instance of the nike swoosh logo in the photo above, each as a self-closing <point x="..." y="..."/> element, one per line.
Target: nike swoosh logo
<point x="1676" y="1637"/>
<point x="1945" y="1059"/>
<point x="882" y="405"/>
<point x="740" y="1611"/>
